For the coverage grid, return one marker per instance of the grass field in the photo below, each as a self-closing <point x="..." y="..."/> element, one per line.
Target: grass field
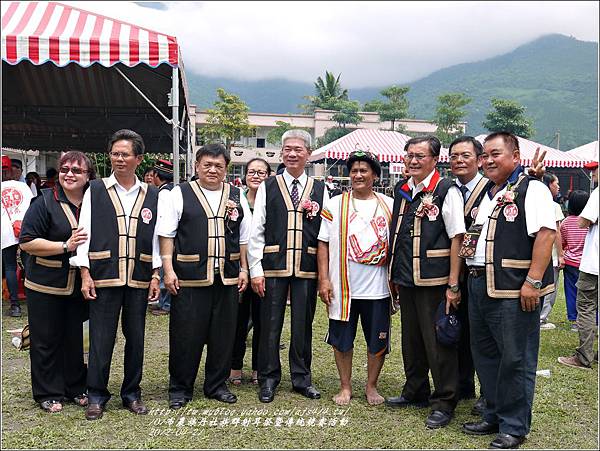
<point x="565" y="413"/>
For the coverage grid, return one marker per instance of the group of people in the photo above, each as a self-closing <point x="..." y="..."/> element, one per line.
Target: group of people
<point x="479" y="247"/>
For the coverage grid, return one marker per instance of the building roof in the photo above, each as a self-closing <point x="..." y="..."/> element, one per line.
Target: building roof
<point x="587" y="152"/>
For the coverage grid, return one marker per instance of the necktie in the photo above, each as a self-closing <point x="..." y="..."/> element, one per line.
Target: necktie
<point x="464" y="190"/>
<point x="294" y="194"/>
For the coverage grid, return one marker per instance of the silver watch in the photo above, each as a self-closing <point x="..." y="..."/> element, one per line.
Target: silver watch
<point x="537" y="284"/>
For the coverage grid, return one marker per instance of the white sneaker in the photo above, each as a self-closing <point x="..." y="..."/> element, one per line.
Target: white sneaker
<point x="547" y="326"/>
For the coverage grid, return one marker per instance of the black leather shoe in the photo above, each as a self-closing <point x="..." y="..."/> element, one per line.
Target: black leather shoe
<point x="507" y="441"/>
<point x="266" y="394"/>
<point x="401" y="401"/>
<point x="175" y="404"/>
<point x="438" y="419"/>
<point x="94" y="411"/>
<point x="309" y="392"/>
<point x="480" y="428"/>
<point x="224" y="395"/>
<point x="479" y="407"/>
<point x="136" y="406"/>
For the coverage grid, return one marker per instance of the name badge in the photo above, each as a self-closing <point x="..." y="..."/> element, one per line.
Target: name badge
<point x="511" y="211"/>
<point x="146" y="215"/>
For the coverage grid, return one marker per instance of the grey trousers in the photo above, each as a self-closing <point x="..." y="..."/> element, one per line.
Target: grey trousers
<point x="587" y="308"/>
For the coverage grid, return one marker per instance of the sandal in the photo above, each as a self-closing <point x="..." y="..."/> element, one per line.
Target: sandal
<point x="254" y="378"/>
<point x="235" y="380"/>
<point x="81" y="400"/>
<point x="51" y="406"/>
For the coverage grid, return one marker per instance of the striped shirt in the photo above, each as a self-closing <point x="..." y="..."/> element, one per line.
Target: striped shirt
<point x="573" y="239"/>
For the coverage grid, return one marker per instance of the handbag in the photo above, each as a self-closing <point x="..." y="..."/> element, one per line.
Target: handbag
<point x="447" y="326"/>
<point x="469" y="242"/>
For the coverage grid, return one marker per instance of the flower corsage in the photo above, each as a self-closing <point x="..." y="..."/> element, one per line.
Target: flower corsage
<point x="310" y="208"/>
<point x="428" y="207"/>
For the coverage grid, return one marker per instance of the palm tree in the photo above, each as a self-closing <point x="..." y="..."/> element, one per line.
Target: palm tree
<point x="328" y="93"/>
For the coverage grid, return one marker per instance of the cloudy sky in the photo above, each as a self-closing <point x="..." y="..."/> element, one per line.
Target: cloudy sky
<point x="370" y="43"/>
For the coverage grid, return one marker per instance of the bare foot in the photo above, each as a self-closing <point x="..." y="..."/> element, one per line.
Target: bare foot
<point x="373" y="397"/>
<point x="343" y="397"/>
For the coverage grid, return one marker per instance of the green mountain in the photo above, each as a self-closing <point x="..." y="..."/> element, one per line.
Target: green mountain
<point x="555" y="77"/>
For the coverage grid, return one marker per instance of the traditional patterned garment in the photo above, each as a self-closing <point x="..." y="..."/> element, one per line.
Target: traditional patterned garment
<point x="360" y="240"/>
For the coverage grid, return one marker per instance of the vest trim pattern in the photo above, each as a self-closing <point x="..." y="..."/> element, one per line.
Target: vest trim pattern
<point x="474" y="197"/>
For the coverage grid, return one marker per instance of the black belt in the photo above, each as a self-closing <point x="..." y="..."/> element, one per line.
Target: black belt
<point x="476" y="271"/>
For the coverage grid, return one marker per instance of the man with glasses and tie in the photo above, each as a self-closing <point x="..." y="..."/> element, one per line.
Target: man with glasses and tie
<point x="425" y="237"/>
<point x="282" y="255"/>
<point x="119" y="266"/>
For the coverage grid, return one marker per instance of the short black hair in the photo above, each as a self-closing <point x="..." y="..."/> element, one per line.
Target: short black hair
<point x="577" y="201"/>
<point x="148" y="170"/>
<point x="128" y="135"/>
<point x="163" y="176"/>
<point x="51" y="173"/>
<point x="16" y="162"/>
<point x="509" y="139"/>
<point x="467" y="139"/>
<point x="434" y="144"/>
<point x="548" y="178"/>
<point x="262" y="160"/>
<point x="213" y="150"/>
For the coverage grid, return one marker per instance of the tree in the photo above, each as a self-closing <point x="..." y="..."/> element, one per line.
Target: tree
<point x="347" y="113"/>
<point x="328" y="93"/>
<point x="397" y="106"/>
<point x="228" y="121"/>
<point x="332" y="134"/>
<point x="274" y="136"/>
<point x="508" y="116"/>
<point x="448" y="116"/>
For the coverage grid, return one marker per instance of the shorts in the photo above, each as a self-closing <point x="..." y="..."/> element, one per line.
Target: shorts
<point x="375" y="321"/>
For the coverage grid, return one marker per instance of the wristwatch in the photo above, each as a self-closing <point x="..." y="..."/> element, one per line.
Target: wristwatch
<point x="454" y="288"/>
<point x="537" y="284"/>
<point x="65" y="247"/>
<point x="156" y="276"/>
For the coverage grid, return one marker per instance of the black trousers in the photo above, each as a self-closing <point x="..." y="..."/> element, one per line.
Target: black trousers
<point x="104" y="320"/>
<point x="421" y="352"/>
<point x="303" y="294"/>
<point x="466" y="368"/>
<point x="56" y="350"/>
<point x="249" y="305"/>
<point x="201" y="316"/>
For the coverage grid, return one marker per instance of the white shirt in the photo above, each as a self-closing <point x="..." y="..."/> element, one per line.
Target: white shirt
<point x="589" y="257"/>
<point x="539" y="212"/>
<point x="127" y="198"/>
<point x="256" y="243"/>
<point x="168" y="223"/>
<point x="558" y="217"/>
<point x="366" y="281"/>
<point x="16" y="197"/>
<point x="452" y="208"/>
<point x="470" y="185"/>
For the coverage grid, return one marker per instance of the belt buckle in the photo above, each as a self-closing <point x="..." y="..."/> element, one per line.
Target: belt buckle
<point x="217" y="271"/>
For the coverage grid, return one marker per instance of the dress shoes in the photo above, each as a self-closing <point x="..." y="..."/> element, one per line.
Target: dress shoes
<point x="507" y="441"/>
<point x="309" y="392"/>
<point x="438" y="419"/>
<point x="480" y="428"/>
<point x="401" y="401"/>
<point x="266" y="394"/>
<point x="94" y="411"/>
<point x="224" y="395"/>
<point x="479" y="407"/>
<point x="175" y="404"/>
<point x="136" y="406"/>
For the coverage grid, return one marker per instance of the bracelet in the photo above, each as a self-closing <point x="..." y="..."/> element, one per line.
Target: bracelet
<point x="65" y="247"/>
<point x="156" y="276"/>
<point x="165" y="257"/>
<point x="244" y="270"/>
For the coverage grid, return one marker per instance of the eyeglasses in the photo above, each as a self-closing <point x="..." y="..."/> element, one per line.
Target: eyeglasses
<point x="463" y="156"/>
<point x="416" y="156"/>
<point x="74" y="170"/>
<point x="253" y="172"/>
<point x="123" y="155"/>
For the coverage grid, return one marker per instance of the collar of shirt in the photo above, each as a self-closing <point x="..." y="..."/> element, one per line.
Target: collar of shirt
<point x="472" y="184"/>
<point x="421" y="185"/>
<point x="289" y="179"/>
<point x="514" y="176"/>
<point x="112" y="180"/>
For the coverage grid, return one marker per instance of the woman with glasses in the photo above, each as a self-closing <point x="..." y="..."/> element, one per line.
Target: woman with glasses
<point x="55" y="304"/>
<point x="256" y="171"/>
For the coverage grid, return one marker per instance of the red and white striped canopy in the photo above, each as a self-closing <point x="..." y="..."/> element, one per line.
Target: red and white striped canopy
<point x="587" y="152"/>
<point x="50" y="31"/>
<point x="387" y="145"/>
<point x="554" y="158"/>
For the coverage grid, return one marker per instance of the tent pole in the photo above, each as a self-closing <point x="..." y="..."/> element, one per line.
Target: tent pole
<point x="175" y="124"/>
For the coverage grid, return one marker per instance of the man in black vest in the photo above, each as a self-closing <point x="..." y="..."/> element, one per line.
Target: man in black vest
<point x="426" y="233"/>
<point x="510" y="269"/>
<point x="119" y="270"/>
<point x="203" y="238"/>
<point x="163" y="179"/>
<point x="283" y="256"/>
<point x="465" y="163"/>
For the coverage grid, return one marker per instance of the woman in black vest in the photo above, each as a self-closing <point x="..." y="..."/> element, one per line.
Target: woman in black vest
<point x="55" y="305"/>
<point x="256" y="171"/>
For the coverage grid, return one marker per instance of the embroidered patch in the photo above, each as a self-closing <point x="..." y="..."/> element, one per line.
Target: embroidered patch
<point x="511" y="212"/>
<point x="146" y="215"/>
<point x="433" y="212"/>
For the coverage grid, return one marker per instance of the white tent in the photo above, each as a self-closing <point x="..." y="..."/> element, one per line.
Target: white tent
<point x="587" y="152"/>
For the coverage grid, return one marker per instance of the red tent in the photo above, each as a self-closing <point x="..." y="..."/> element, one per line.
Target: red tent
<point x="70" y="78"/>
